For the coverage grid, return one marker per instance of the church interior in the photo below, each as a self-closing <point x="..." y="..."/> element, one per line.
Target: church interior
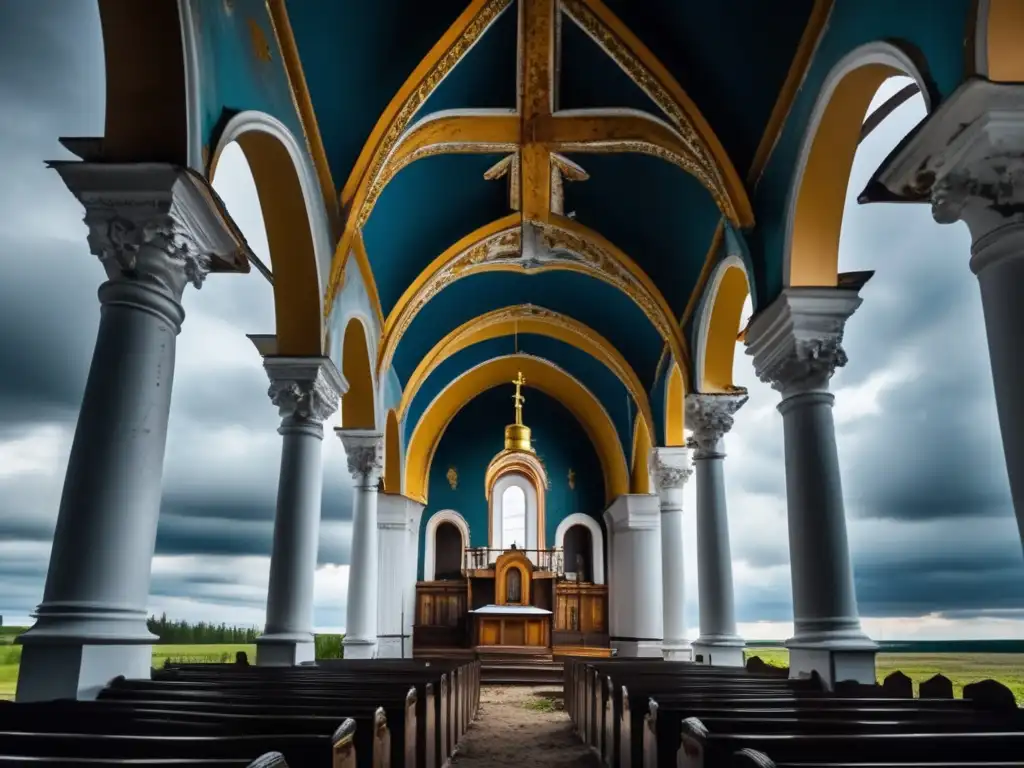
<point x="510" y="245"/>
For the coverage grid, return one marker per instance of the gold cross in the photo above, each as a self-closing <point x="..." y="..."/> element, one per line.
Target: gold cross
<point x="519" y="381"/>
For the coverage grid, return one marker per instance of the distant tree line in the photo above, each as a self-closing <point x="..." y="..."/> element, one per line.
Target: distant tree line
<point x="183" y="632"/>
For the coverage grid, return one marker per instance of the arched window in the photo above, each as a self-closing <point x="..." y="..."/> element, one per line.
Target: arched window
<point x="513" y="518"/>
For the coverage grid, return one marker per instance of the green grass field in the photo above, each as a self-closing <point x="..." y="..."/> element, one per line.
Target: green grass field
<point x="961" y="668"/>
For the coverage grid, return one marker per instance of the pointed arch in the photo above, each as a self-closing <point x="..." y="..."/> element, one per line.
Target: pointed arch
<point x="675" y="410"/>
<point x="640" y="477"/>
<point x="818" y="192"/>
<point x="358" y="410"/>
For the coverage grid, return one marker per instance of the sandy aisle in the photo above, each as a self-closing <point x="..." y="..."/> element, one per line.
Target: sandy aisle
<point x="509" y="733"/>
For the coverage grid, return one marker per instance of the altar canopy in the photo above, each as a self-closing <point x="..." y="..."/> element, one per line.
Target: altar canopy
<point x="563" y="203"/>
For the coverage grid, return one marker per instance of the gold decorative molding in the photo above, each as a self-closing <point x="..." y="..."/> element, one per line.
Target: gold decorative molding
<point x="561" y="244"/>
<point x="453" y="478"/>
<point x="527" y="318"/>
<point x="571" y="477"/>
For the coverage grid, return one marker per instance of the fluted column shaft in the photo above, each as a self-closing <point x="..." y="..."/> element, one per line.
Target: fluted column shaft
<point x="711" y="417"/>
<point x="365" y="452"/>
<point x="146" y="224"/>
<point x="670" y="468"/>
<point x="306" y="392"/>
<point x="797" y="345"/>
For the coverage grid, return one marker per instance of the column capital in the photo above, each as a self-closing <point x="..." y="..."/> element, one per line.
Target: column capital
<point x="364" y="449"/>
<point x="155" y="224"/>
<point x="305" y="388"/>
<point x="797" y="341"/>
<point x="966" y="160"/>
<point x="670" y="467"/>
<point x="710" y="417"/>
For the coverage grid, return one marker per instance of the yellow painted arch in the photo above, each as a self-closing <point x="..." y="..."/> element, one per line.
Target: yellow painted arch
<point x="299" y="325"/>
<point x="357" y="404"/>
<point x="392" y="454"/>
<point x="720" y="329"/>
<point x="639" y="476"/>
<point x="541" y="375"/>
<point x="477" y="252"/>
<point x="675" y="408"/>
<point x="1004" y="35"/>
<point x="818" y="215"/>
<point x="526" y="318"/>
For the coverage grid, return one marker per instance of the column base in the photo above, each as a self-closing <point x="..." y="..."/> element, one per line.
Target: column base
<point x="76" y="670"/>
<point x="719" y="651"/>
<point x="284" y="650"/>
<point x="676" y="650"/>
<point x="390" y="647"/>
<point x="357" y="648"/>
<point x="637" y="649"/>
<point x="836" y="663"/>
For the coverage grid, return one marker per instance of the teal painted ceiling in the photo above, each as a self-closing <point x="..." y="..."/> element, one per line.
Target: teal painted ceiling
<point x="595" y="304"/>
<point x="730" y="56"/>
<point x="593" y="375"/>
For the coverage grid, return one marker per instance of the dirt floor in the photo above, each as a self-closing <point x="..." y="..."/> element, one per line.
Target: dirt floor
<point x="522" y="726"/>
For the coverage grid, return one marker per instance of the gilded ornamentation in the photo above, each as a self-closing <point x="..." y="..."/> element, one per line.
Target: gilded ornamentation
<point x="453" y="478"/>
<point x="572" y="479"/>
<point x="258" y="41"/>
<point x="705" y="167"/>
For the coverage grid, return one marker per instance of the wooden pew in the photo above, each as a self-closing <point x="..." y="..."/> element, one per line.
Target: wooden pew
<point x="268" y="760"/>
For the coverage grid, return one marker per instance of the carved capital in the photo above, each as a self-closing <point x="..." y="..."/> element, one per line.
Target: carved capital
<point x="364" y="450"/>
<point x="710" y="417"/>
<point x="154" y="224"/>
<point x="670" y="467"/>
<point x="797" y="342"/>
<point x="306" y="388"/>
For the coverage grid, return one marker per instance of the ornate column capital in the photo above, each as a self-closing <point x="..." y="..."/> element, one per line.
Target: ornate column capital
<point x="670" y="468"/>
<point x="364" y="449"/>
<point x="710" y="417"/>
<point x="154" y="224"/>
<point x="966" y="160"/>
<point x="304" y="388"/>
<point x="797" y="341"/>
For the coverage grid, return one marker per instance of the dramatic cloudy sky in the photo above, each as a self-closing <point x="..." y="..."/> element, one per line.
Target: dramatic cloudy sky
<point x="935" y="545"/>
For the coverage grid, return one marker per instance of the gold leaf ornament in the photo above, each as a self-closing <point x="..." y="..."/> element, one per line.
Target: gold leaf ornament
<point x="453" y="478"/>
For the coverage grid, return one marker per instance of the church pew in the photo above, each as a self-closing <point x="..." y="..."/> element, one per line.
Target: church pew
<point x="365" y="734"/>
<point x="662" y="733"/>
<point x="700" y="747"/>
<point x="432" y="717"/>
<point x="398" y="742"/>
<point x="301" y="751"/>
<point x="751" y="758"/>
<point x="268" y="760"/>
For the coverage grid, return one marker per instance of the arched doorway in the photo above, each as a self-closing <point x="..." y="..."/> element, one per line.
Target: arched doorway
<point x="447" y="552"/>
<point x="357" y="410"/>
<point x="578" y="552"/>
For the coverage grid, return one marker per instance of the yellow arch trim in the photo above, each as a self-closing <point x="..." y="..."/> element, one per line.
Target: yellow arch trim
<point x="363" y="262"/>
<point x="814" y="249"/>
<point x="493" y="247"/>
<point x="644" y="68"/>
<point x="435" y="66"/>
<point x="289" y="239"/>
<point x="526" y="318"/>
<point x="392" y="454"/>
<point x="640" y="478"/>
<point x="723" y="328"/>
<point x="675" y="408"/>
<point x="1004" y="35"/>
<point x="512" y="461"/>
<point x="541" y="375"/>
<point x="357" y="404"/>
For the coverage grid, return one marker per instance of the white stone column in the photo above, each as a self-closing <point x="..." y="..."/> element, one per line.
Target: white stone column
<point x="967" y="160"/>
<point x="396" y="594"/>
<point x="365" y="452"/>
<point x="414" y="512"/>
<point x="710" y="417"/>
<point x="797" y="345"/>
<point x="306" y="391"/>
<point x="670" y="469"/>
<point x="635" y="621"/>
<point x="154" y="231"/>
